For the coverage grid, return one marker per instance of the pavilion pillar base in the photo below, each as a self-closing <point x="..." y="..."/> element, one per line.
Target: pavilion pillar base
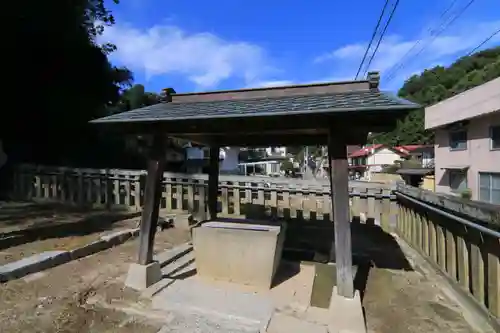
<point x="140" y="277"/>
<point x="346" y="314"/>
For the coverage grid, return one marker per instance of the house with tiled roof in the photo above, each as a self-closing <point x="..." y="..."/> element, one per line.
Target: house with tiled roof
<point x="373" y="158"/>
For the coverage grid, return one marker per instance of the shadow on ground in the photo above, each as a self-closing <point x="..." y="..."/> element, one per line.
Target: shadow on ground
<point x="311" y="240"/>
<point x="40" y="221"/>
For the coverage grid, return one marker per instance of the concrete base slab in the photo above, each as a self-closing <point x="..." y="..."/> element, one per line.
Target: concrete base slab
<point x="282" y="323"/>
<point x="201" y="324"/>
<point x="346" y="314"/>
<point x="140" y="277"/>
<point x="196" y="297"/>
<point x="154" y="289"/>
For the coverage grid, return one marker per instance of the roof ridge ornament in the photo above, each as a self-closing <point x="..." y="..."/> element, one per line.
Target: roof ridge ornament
<point x="373" y="80"/>
<point x="166" y="95"/>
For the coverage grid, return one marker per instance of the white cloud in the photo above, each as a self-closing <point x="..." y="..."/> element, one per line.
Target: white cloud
<point x="204" y="58"/>
<point x="431" y="51"/>
<point x="280" y="83"/>
<point x="272" y="83"/>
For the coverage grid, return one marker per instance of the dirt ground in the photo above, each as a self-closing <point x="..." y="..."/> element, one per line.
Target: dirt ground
<point x="396" y="298"/>
<point x="29" y="228"/>
<point x="55" y="300"/>
<point x="401" y="299"/>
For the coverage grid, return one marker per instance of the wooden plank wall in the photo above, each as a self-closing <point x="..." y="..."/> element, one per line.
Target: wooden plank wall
<point x="468" y="256"/>
<point x="185" y="193"/>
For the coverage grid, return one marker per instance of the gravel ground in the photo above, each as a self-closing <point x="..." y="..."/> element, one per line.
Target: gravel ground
<point x="396" y="299"/>
<point x="28" y="228"/>
<point x="55" y="300"/>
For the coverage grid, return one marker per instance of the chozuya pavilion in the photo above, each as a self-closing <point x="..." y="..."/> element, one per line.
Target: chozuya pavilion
<point x="336" y="114"/>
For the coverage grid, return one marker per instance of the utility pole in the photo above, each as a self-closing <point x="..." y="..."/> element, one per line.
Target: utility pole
<point x="306" y="156"/>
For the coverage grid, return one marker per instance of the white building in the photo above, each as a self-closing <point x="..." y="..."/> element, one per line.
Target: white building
<point x="197" y="157"/>
<point x="374" y="158"/>
<point x="269" y="164"/>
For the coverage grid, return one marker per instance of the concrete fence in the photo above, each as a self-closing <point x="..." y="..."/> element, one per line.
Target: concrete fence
<point x="458" y="237"/>
<point x="238" y="195"/>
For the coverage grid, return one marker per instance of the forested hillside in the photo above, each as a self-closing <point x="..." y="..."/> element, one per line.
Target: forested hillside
<point x="435" y="85"/>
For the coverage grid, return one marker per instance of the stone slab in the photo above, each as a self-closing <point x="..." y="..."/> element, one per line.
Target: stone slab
<point x="346" y="314"/>
<point x="282" y="323"/>
<point x="140" y="277"/>
<point x="194" y="323"/>
<point x="193" y="296"/>
<point x="156" y="288"/>
<point x="325" y="279"/>
<point x="33" y="264"/>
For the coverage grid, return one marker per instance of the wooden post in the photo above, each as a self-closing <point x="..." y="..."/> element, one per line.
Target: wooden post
<point x="339" y="185"/>
<point x="213" y="182"/>
<point x="152" y="195"/>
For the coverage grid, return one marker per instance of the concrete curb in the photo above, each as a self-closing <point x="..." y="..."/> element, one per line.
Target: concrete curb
<point x="49" y="259"/>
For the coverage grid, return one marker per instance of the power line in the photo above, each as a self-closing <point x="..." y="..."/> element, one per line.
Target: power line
<point x="430" y="32"/>
<point x="483" y="42"/>
<point x="382" y="36"/>
<point x="373" y="37"/>
<point x="458" y="15"/>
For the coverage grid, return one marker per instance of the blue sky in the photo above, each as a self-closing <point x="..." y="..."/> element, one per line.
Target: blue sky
<point x="202" y="45"/>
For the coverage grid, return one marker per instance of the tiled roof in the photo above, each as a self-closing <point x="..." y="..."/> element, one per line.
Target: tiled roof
<point x="399" y="149"/>
<point x="364" y="100"/>
<point x="365" y="151"/>
<point x="410" y="147"/>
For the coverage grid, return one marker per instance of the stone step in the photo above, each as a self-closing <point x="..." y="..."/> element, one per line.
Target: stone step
<point x="178" y="262"/>
<point x="181" y="268"/>
<point x="170" y="255"/>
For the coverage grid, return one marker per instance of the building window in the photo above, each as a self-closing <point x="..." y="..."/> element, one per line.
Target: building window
<point x="458" y="140"/>
<point x="495" y="137"/>
<point x="489" y="187"/>
<point x="457" y="180"/>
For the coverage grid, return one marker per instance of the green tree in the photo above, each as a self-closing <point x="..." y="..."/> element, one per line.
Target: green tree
<point x="435" y="85"/>
<point x="134" y="98"/>
<point x="59" y="79"/>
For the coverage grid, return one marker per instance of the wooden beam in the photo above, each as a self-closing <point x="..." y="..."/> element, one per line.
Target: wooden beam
<point x="368" y="121"/>
<point x="152" y="194"/>
<point x="213" y="182"/>
<point x="339" y="184"/>
<point x="288" y="138"/>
